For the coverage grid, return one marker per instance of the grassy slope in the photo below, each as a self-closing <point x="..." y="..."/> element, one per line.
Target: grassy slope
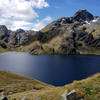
<point x="54" y="44"/>
<point x="34" y="90"/>
<point x="7" y="47"/>
<point x="10" y="82"/>
<point x="2" y="49"/>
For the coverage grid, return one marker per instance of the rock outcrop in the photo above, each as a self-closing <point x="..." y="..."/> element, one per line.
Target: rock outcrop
<point x="4" y="98"/>
<point x="73" y="95"/>
<point x="18" y="37"/>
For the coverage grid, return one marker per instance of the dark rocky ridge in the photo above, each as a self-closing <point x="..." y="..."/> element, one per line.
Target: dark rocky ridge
<point x="67" y="35"/>
<point x="18" y="37"/>
<point x="83" y="15"/>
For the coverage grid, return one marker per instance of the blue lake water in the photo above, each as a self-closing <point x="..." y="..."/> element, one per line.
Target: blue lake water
<point x="52" y="69"/>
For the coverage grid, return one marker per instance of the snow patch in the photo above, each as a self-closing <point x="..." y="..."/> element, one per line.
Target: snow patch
<point x="87" y="22"/>
<point x="95" y="20"/>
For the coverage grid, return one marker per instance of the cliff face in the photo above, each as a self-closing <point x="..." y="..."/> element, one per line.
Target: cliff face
<point x="79" y="34"/>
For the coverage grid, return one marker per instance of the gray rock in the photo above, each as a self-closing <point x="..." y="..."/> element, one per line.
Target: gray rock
<point x="4" y="98"/>
<point x="19" y="31"/>
<point x="73" y="95"/>
<point x="63" y="96"/>
<point x="3" y="31"/>
<point x="24" y="98"/>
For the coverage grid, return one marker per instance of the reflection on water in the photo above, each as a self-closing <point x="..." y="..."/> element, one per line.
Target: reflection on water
<point x="56" y="70"/>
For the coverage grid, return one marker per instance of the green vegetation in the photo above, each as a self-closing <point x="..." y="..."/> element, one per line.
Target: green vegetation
<point x="14" y="83"/>
<point x="90" y="87"/>
<point x="16" y="87"/>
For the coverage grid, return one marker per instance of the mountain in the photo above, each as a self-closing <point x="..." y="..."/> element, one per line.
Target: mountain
<point x="79" y="34"/>
<point x="16" y="87"/>
<point x="83" y="15"/>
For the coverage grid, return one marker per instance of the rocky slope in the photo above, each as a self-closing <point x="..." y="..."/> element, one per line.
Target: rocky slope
<point x="79" y="34"/>
<point x="16" y="87"/>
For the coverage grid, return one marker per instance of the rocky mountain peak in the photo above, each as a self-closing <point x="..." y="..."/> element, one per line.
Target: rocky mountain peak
<point x="3" y="31"/>
<point x="18" y="31"/>
<point x="83" y="15"/>
<point x="3" y="28"/>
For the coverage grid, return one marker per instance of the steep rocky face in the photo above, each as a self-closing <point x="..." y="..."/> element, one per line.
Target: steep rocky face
<point x="71" y="35"/>
<point x="18" y="37"/>
<point x="3" y="32"/>
<point x="19" y="31"/>
<point x="83" y="15"/>
<point x="21" y="37"/>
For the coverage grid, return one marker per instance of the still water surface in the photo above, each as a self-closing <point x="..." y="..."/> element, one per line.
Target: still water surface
<point x="52" y="69"/>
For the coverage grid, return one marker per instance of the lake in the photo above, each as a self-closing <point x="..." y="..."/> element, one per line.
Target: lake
<point x="57" y="70"/>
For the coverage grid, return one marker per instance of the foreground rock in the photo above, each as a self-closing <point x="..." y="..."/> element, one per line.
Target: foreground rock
<point x="73" y="95"/>
<point x="4" y="98"/>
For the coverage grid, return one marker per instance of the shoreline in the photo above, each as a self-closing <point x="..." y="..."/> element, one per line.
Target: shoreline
<point x="30" y="88"/>
<point x="98" y="54"/>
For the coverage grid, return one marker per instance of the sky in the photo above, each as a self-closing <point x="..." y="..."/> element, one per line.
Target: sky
<point x="36" y="14"/>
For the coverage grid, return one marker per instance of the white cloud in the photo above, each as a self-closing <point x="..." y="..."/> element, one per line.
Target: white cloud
<point x="39" y="3"/>
<point x="17" y="9"/>
<point x="17" y="13"/>
<point x="47" y="19"/>
<point x="41" y="24"/>
<point x="21" y="24"/>
<point x="16" y="24"/>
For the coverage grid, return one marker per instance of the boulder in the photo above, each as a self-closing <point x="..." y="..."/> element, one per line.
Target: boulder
<point x="73" y="95"/>
<point x="4" y="98"/>
<point x="1" y="90"/>
<point x="24" y="98"/>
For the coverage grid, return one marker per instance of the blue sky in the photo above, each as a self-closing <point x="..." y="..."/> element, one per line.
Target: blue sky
<point x="35" y="14"/>
<point x="60" y="8"/>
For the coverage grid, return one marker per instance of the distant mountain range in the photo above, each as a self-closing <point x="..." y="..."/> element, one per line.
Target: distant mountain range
<point x="79" y="34"/>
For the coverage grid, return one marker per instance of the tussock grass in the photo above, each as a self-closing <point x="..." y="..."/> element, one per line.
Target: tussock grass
<point x="17" y="87"/>
<point x="14" y="83"/>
